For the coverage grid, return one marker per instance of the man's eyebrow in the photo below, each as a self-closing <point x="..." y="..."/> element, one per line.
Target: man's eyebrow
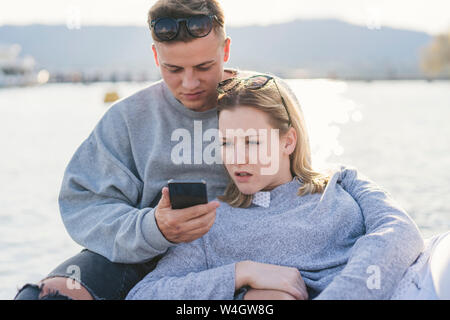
<point x="168" y="65"/>
<point x="204" y="63"/>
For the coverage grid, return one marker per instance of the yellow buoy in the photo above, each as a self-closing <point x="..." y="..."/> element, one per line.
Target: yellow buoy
<point x="111" y="97"/>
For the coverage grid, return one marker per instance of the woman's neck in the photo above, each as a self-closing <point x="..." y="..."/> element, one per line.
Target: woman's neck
<point x="282" y="178"/>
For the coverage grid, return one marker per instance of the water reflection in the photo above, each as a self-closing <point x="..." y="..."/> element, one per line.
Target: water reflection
<point x="326" y="109"/>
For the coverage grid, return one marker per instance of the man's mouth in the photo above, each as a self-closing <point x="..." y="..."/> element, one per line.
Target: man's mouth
<point x="192" y="96"/>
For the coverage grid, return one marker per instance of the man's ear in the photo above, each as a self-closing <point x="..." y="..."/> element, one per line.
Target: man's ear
<point x="290" y="141"/>
<point x="226" y="49"/>
<point x="155" y="54"/>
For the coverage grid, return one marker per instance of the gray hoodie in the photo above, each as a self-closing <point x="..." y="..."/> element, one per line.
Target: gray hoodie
<point x="110" y="183"/>
<point x="338" y="240"/>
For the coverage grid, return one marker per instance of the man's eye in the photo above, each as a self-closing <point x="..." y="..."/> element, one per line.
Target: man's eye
<point x="204" y="68"/>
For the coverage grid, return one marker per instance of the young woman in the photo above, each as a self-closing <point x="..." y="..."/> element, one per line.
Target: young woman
<point x="285" y="231"/>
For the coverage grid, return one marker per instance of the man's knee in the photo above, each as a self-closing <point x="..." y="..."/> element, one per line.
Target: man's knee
<point x="56" y="288"/>
<point x="64" y="286"/>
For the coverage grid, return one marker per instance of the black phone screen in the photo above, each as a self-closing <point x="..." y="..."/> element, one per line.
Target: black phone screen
<point x="184" y="194"/>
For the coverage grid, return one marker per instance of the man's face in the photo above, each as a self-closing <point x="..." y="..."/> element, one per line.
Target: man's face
<point x="192" y="70"/>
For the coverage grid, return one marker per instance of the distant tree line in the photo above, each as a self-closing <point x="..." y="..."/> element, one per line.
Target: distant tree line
<point x="435" y="60"/>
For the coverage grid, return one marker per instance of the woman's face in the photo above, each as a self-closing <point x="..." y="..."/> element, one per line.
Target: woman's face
<point x="254" y="154"/>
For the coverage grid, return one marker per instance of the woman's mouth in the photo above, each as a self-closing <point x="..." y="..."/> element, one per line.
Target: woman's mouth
<point x="242" y="176"/>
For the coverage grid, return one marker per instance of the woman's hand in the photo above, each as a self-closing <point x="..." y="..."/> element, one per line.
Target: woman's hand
<point x="271" y="277"/>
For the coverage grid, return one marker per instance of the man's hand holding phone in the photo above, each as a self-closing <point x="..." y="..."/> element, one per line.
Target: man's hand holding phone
<point x="184" y="225"/>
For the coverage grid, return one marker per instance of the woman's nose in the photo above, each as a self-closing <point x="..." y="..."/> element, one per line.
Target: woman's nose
<point x="241" y="153"/>
<point x="234" y="155"/>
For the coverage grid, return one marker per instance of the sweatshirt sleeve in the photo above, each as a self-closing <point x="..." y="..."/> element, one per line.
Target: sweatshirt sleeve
<point x="183" y="274"/>
<point x="380" y="257"/>
<point x="100" y="193"/>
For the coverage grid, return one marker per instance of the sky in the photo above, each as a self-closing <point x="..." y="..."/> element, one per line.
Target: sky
<point x="431" y="16"/>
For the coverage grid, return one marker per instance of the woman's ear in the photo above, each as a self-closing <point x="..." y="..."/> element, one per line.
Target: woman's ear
<point x="290" y="141"/>
<point x="155" y="54"/>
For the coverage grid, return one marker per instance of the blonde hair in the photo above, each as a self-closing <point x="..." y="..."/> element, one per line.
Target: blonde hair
<point x="178" y="9"/>
<point x="268" y="100"/>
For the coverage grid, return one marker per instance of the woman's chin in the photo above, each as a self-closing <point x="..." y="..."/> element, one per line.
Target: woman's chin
<point x="247" y="189"/>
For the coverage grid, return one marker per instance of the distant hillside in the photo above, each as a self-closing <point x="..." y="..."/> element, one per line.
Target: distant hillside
<point x="323" y="47"/>
<point x="300" y="48"/>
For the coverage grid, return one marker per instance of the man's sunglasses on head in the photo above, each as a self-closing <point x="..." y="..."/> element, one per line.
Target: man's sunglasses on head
<point x="197" y="26"/>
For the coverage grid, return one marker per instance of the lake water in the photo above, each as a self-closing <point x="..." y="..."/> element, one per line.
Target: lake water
<point x="394" y="132"/>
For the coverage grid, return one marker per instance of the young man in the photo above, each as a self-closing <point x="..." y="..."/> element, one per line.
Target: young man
<point x="110" y="197"/>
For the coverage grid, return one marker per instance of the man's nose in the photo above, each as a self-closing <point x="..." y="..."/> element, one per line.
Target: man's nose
<point x="190" y="81"/>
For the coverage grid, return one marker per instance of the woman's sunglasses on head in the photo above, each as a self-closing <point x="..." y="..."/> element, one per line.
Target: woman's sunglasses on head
<point x="197" y="26"/>
<point x="251" y="83"/>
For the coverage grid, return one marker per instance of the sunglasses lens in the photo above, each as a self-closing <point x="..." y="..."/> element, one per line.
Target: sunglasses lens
<point x="227" y="85"/>
<point x="199" y="26"/>
<point x="256" y="82"/>
<point x="166" y="29"/>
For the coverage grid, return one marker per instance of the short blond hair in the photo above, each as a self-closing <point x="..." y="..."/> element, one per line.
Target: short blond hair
<point x="178" y="9"/>
<point x="268" y="100"/>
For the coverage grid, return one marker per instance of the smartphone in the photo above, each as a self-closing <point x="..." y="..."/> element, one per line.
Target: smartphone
<point x="188" y="193"/>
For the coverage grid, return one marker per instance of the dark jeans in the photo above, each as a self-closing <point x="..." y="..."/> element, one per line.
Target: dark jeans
<point x="102" y="278"/>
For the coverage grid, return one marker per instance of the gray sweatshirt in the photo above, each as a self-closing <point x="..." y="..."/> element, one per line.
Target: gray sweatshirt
<point x="338" y="240"/>
<point x="107" y="195"/>
<point x="112" y="179"/>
